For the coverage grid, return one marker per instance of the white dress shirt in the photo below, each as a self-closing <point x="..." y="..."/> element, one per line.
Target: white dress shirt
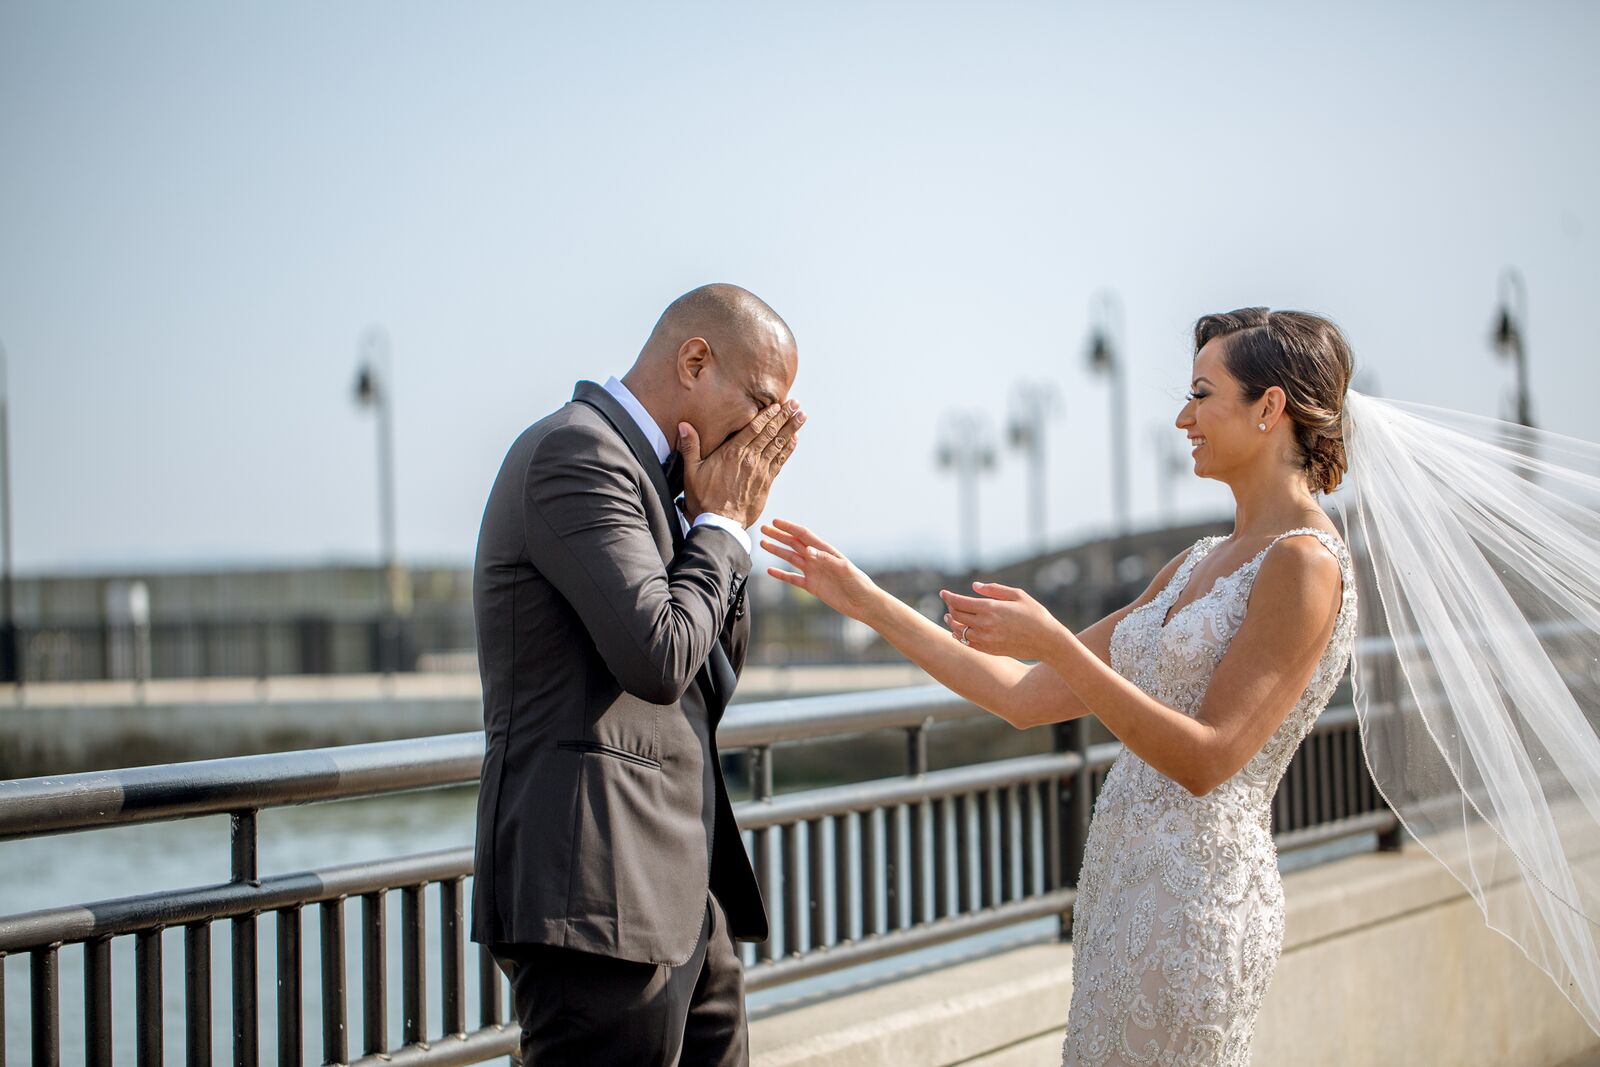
<point x="658" y="441"/>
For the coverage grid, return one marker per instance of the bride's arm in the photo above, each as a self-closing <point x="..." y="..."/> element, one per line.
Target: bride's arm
<point x="1268" y="663"/>
<point x="1023" y="695"/>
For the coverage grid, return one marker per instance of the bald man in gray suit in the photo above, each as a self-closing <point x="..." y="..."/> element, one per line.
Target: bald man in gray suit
<point x="610" y="878"/>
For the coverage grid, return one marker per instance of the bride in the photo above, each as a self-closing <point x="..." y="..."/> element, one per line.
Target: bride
<point x="1213" y="676"/>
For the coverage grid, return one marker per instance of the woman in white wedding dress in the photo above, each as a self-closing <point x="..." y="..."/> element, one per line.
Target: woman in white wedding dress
<point x="1211" y="678"/>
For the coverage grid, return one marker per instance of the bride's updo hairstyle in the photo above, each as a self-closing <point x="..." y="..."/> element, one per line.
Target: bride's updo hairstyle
<point x="1308" y="358"/>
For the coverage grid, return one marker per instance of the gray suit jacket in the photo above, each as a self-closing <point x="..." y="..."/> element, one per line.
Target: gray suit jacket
<point x="609" y="644"/>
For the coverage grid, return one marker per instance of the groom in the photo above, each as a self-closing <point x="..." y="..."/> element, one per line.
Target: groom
<point x="610" y="878"/>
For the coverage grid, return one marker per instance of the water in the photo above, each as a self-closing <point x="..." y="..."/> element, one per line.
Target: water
<point x="124" y="861"/>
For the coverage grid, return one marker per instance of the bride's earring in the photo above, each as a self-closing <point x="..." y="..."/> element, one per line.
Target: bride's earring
<point x="1261" y="426"/>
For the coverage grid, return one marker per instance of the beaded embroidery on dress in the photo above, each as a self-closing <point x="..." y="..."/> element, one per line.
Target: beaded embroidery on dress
<point x="1178" y="922"/>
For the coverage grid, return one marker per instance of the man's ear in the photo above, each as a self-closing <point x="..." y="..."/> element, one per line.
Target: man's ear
<point x="694" y="356"/>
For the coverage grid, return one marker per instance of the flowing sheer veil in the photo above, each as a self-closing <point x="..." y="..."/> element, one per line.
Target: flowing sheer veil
<point x="1477" y="670"/>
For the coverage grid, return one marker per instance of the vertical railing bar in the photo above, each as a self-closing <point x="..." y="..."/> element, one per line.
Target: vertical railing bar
<point x="817" y="886"/>
<point x="246" y="994"/>
<point x="761" y="839"/>
<point x="1028" y="797"/>
<point x="1325" y="778"/>
<point x="97" y="1001"/>
<point x="917" y="825"/>
<point x="871" y="847"/>
<point x="149" y="1019"/>
<point x="197" y="994"/>
<point x="1352" y="783"/>
<point x="891" y="869"/>
<point x="335" y="1018"/>
<point x="844" y="909"/>
<point x="1014" y="839"/>
<point x="413" y="966"/>
<point x="761" y="859"/>
<point x="917" y="861"/>
<point x="1003" y="853"/>
<point x="981" y="897"/>
<point x="488" y="988"/>
<point x="452" y="951"/>
<point x="1341" y="802"/>
<point x="44" y="974"/>
<point x="964" y="854"/>
<point x="291" y="1050"/>
<point x="793" y="891"/>
<point x="374" y="975"/>
<point x="939" y="878"/>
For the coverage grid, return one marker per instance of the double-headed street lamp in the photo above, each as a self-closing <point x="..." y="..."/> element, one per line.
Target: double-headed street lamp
<point x="965" y="448"/>
<point x="374" y="381"/>
<point x="1032" y="406"/>
<point x="1105" y="332"/>
<point x="1507" y="336"/>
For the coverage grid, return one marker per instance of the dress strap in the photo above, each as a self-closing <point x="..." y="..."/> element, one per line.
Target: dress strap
<point x="1329" y="541"/>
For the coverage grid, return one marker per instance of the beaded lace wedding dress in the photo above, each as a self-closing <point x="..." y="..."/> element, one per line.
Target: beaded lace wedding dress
<point x="1179" y="915"/>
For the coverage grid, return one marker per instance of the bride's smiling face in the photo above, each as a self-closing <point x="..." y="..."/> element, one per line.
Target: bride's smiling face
<point x="1221" y="427"/>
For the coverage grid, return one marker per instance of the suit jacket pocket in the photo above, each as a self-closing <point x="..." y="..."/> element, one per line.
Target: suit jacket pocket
<point x="609" y="750"/>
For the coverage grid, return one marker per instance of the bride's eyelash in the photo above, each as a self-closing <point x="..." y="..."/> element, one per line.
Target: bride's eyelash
<point x="1192" y="395"/>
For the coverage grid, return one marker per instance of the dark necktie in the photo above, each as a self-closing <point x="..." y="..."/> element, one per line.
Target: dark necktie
<point x="673" y="469"/>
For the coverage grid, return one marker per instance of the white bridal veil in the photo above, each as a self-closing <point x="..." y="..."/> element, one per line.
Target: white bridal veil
<point x="1477" y="671"/>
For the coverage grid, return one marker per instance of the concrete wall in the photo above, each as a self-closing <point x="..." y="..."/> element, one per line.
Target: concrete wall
<point x="1386" y="961"/>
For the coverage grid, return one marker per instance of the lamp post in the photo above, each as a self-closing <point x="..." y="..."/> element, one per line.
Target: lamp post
<point x="10" y="651"/>
<point x="965" y="448"/>
<point x="1105" y="358"/>
<point x="1507" y="336"/>
<point x="374" y="381"/>
<point x="1032" y="406"/>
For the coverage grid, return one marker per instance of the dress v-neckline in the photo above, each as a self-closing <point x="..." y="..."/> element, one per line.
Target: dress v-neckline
<point x="1170" y="613"/>
<point x="1173" y="610"/>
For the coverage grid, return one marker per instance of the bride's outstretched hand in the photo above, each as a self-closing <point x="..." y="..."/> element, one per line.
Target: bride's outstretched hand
<point x="1001" y="620"/>
<point x="824" y="572"/>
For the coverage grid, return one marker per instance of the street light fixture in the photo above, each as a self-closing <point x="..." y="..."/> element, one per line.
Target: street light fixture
<point x="965" y="448"/>
<point x="374" y="384"/>
<point x="1032" y="406"/>
<point x="1507" y="336"/>
<point x="1106" y="329"/>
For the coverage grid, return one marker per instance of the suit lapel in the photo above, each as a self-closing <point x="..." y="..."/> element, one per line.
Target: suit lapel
<point x="596" y="397"/>
<point x="717" y="677"/>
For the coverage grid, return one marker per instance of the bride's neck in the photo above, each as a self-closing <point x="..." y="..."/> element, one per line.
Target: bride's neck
<point x="1267" y="502"/>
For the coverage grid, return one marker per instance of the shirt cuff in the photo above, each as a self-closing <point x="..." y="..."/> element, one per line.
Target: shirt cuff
<point x="722" y="522"/>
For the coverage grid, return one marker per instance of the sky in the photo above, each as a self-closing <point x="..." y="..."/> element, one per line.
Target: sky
<point x="204" y="207"/>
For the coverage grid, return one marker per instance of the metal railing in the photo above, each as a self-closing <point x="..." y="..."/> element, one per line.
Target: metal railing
<point x="850" y="873"/>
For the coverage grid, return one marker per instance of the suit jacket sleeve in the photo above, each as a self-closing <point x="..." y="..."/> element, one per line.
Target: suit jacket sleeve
<point x="587" y="532"/>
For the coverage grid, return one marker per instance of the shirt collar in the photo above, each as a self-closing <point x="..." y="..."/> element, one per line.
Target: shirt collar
<point x="647" y="424"/>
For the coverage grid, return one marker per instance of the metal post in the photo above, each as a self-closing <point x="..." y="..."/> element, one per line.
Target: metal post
<point x="964" y="447"/>
<point x="1033" y="404"/>
<point x="373" y="387"/>
<point x="11" y="665"/>
<point x="1106" y="358"/>
<point x="1076" y="806"/>
<point x="1508" y="339"/>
